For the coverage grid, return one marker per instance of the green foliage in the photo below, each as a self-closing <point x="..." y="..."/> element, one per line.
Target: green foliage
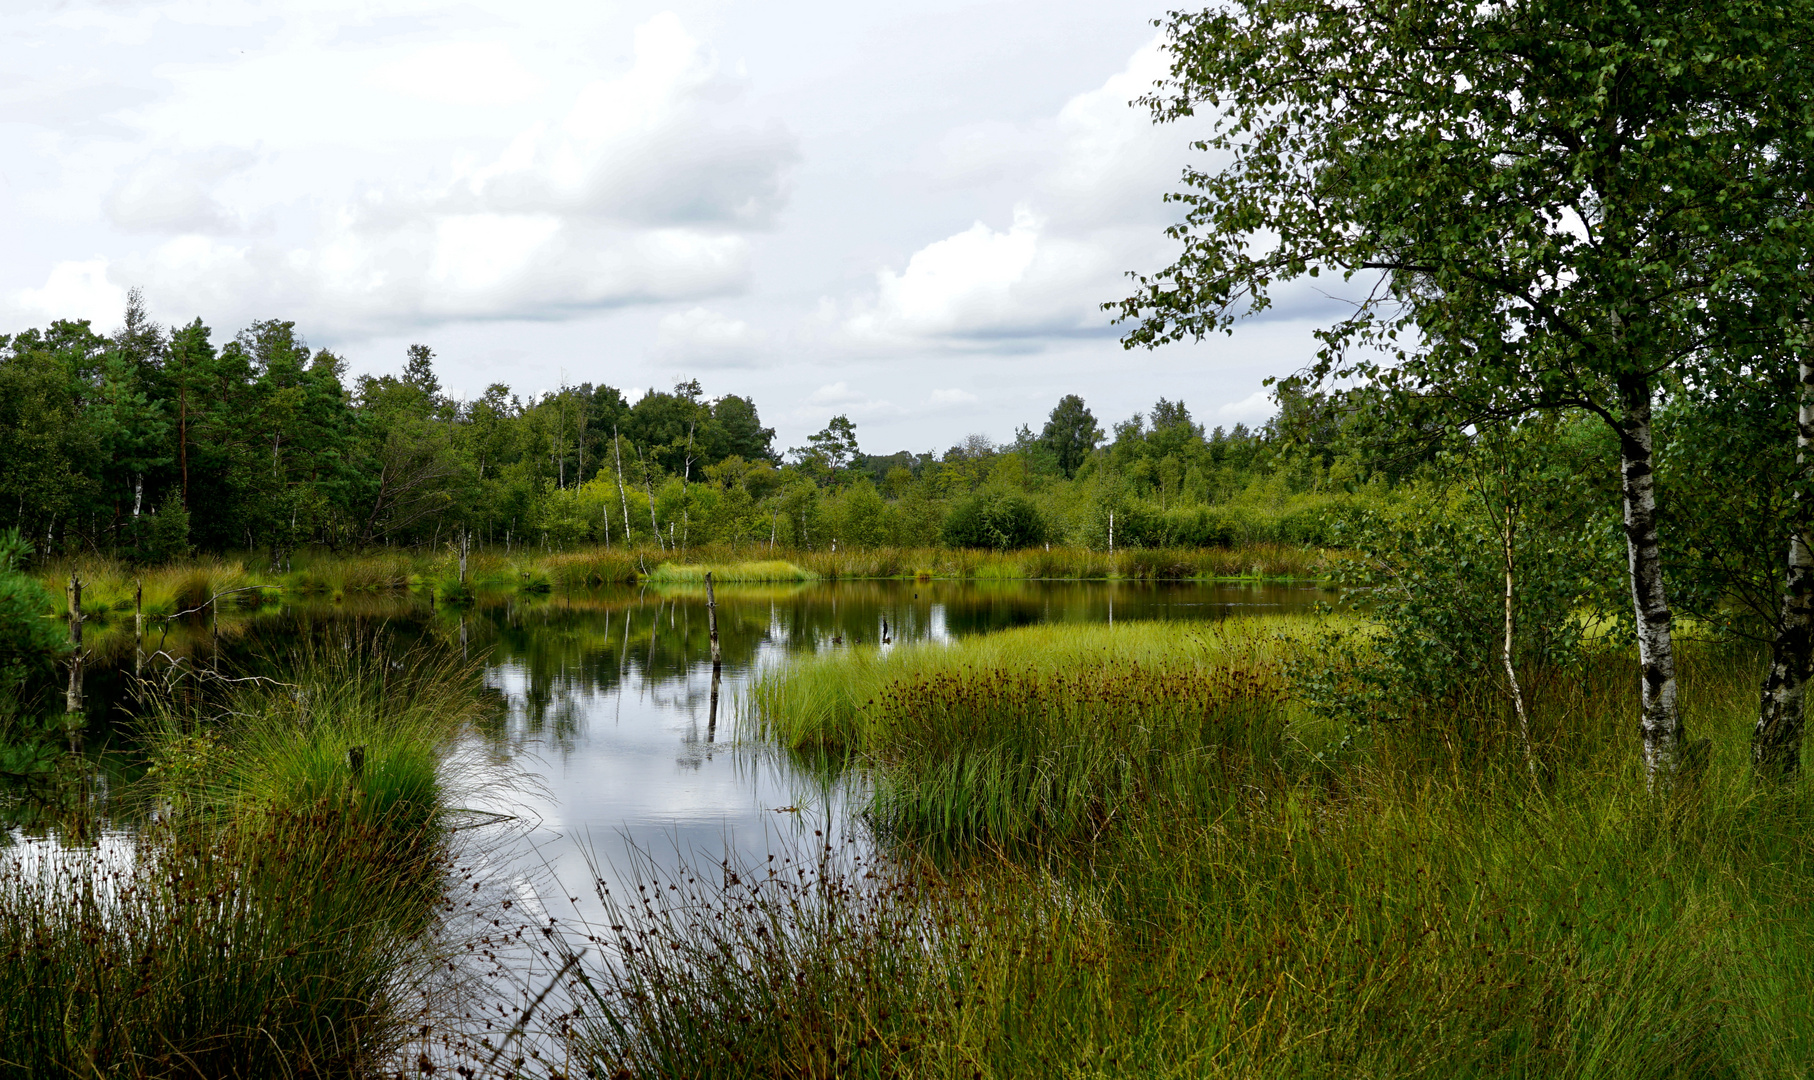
<point x="1428" y="580"/>
<point x="995" y="518"/>
<point x="1070" y="434"/>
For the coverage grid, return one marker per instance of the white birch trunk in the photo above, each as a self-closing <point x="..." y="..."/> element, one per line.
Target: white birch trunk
<point x="1660" y="721"/>
<point x="1776" y="740"/>
<point x="1511" y="671"/>
<point x="618" y="452"/>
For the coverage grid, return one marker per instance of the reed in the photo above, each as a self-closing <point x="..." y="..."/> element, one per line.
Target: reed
<point x="1298" y="901"/>
<point x="1041" y="732"/>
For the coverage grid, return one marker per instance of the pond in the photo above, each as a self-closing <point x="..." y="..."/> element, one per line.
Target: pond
<point x="608" y="693"/>
<point x="611" y="737"/>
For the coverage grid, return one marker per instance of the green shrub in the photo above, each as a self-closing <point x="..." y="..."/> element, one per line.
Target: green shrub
<point x="994" y="518"/>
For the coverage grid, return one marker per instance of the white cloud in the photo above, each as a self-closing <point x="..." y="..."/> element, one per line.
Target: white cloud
<point x="642" y="188"/>
<point x="982" y="283"/>
<point x="468" y="73"/>
<point x="839" y="397"/>
<point x="173" y="192"/>
<point x="1098" y="171"/>
<point x="76" y="290"/>
<point x="645" y="147"/>
<point x="838" y="393"/>
<point x="702" y="338"/>
<point x="952" y="397"/>
<point x="1256" y="408"/>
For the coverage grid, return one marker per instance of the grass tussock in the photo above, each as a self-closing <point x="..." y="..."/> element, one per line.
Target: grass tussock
<point x="1252" y="894"/>
<point x="355" y="722"/>
<point x="279" y="916"/>
<point x="273" y="949"/>
<point x="109" y="587"/>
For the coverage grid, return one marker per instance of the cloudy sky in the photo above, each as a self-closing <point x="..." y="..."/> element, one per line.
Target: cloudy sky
<point x="908" y="213"/>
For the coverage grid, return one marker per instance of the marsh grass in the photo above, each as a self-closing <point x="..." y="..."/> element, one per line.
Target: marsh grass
<point x="276" y="946"/>
<point x="1274" y="898"/>
<point x="1064" y="563"/>
<point x="764" y="572"/>
<point x="282" y="743"/>
<point x="814" y="964"/>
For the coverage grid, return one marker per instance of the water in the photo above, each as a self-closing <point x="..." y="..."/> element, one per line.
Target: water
<point x="608" y="704"/>
<point x="609" y="740"/>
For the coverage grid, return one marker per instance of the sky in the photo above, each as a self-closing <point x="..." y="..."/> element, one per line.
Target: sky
<point x="906" y="213"/>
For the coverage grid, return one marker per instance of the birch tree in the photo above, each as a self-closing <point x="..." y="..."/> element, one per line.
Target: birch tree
<point x="1540" y="200"/>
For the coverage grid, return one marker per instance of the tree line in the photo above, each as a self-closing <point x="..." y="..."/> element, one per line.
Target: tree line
<point x="151" y="443"/>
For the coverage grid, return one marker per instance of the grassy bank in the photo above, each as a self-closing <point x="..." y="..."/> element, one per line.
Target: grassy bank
<point x="1204" y="881"/>
<point x="278" y="914"/>
<point x="110" y="585"/>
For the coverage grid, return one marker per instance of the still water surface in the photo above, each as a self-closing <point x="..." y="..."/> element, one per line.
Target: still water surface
<point x="608" y="705"/>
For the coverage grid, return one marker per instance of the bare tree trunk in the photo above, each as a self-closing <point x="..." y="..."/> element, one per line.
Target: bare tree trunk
<point x="621" y="497"/>
<point x="1511" y="672"/>
<point x="649" y="487"/>
<point x="1660" y="722"/>
<point x="686" y="484"/>
<point x="72" y="698"/>
<point x="711" y="716"/>
<point x="1776" y="741"/>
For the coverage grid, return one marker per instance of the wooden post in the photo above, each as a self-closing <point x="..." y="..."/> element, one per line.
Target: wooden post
<point x="72" y="700"/>
<point x="711" y="618"/>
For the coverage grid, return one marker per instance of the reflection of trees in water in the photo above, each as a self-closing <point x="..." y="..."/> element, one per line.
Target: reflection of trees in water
<point x="565" y="655"/>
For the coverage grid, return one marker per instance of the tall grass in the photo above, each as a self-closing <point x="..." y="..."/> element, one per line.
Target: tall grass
<point x="1268" y="901"/>
<point x="280" y="946"/>
<point x="1046" y="730"/>
<point x="1265" y="560"/>
<point x="278" y="915"/>
<point x="287" y="743"/>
